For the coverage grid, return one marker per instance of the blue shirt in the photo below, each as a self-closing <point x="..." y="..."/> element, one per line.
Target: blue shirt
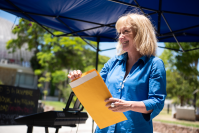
<point x="145" y="82"/>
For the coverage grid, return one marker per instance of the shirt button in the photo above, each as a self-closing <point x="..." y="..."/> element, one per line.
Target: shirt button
<point x="119" y="90"/>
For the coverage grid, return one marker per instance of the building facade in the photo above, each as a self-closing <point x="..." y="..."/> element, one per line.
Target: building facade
<point x="13" y="70"/>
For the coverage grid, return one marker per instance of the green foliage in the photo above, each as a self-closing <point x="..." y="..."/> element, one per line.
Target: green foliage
<point x="54" y="54"/>
<point x="179" y="86"/>
<point x="26" y="34"/>
<point x="40" y="85"/>
<point x="35" y="63"/>
<point x="45" y="92"/>
<point x="38" y="72"/>
<point x="59" y="76"/>
<point x="48" y="76"/>
<point x="186" y="62"/>
<point x="64" y="91"/>
<point x="197" y="103"/>
<point x="181" y="71"/>
<point x="168" y="59"/>
<point x="42" y="79"/>
<point x="90" y="60"/>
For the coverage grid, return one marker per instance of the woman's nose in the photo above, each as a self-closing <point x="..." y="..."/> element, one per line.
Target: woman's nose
<point x="121" y="36"/>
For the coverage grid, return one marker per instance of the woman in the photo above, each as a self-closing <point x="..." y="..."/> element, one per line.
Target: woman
<point x="135" y="77"/>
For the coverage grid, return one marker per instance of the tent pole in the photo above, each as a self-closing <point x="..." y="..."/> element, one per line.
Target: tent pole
<point x="172" y="33"/>
<point x="97" y="60"/>
<point x="97" y="53"/>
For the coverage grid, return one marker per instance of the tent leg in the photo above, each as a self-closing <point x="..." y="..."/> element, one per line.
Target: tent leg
<point x="97" y="60"/>
<point x="97" y="54"/>
<point x="29" y="129"/>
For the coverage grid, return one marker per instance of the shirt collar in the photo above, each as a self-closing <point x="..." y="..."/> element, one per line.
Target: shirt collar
<point x="144" y="59"/>
<point x="125" y="55"/>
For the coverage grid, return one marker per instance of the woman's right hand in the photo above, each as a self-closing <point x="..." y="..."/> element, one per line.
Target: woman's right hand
<point x="75" y="74"/>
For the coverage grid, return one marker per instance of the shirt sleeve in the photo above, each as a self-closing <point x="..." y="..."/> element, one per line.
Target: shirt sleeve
<point x="106" y="68"/>
<point x="157" y="89"/>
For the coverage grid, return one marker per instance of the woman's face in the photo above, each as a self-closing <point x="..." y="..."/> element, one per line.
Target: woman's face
<point x="126" y="38"/>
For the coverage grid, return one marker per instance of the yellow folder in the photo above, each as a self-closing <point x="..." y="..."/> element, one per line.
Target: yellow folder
<point x="91" y="91"/>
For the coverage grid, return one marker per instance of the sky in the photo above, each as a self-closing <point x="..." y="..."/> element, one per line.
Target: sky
<point x="103" y="45"/>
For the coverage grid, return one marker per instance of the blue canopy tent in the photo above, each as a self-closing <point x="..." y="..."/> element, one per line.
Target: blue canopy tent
<point x="174" y="20"/>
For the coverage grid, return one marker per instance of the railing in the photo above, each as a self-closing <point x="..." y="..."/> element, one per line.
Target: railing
<point x="17" y="62"/>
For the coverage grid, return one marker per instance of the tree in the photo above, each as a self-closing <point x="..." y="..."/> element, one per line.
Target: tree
<point x="178" y="86"/>
<point x="60" y="53"/>
<point x="187" y="62"/>
<point x="30" y="33"/>
<point x="90" y="60"/>
<point x="181" y="69"/>
<point x="53" y="54"/>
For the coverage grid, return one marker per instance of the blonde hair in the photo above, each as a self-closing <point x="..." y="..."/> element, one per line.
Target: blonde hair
<point x="145" y="37"/>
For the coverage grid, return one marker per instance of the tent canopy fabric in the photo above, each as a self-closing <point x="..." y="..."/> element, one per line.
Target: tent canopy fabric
<point x="174" y="20"/>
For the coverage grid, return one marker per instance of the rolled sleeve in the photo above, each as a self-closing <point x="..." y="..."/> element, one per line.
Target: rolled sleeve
<point x="106" y="68"/>
<point x="157" y="89"/>
<point x="104" y="71"/>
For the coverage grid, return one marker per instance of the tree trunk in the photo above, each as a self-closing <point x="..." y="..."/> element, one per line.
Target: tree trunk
<point x="46" y="88"/>
<point x="181" y="98"/>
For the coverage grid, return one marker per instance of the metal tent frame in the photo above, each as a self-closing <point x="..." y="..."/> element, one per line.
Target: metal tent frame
<point x="74" y="33"/>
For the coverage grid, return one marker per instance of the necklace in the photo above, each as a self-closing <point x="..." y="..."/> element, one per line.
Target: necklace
<point x="122" y="83"/>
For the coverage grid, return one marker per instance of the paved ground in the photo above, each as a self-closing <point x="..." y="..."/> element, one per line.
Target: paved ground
<point x="82" y="128"/>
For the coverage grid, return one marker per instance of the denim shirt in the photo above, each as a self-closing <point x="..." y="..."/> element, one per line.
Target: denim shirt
<point x="145" y="82"/>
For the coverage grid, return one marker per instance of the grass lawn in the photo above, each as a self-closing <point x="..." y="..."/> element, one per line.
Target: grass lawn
<point x="164" y="117"/>
<point x="58" y="106"/>
<point x="182" y="123"/>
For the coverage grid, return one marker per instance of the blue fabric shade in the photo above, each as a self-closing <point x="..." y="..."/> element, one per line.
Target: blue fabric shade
<point x="96" y="18"/>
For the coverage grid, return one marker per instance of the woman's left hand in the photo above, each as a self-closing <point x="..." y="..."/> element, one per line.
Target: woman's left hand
<point x="119" y="105"/>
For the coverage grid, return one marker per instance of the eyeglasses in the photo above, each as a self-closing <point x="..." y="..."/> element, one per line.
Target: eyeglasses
<point x="125" y="32"/>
